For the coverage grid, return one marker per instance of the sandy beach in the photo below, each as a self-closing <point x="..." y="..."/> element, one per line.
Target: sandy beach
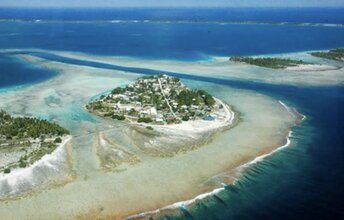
<point x="322" y="73"/>
<point x="224" y="119"/>
<point x="312" y="67"/>
<point x="239" y="170"/>
<point x="136" y="188"/>
<point x="169" y="140"/>
<point x="19" y="181"/>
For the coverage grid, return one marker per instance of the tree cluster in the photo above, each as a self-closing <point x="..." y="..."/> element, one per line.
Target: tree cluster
<point x="118" y="117"/>
<point x="335" y="54"/>
<point x="145" y="120"/>
<point x="26" y="127"/>
<point x="275" y="63"/>
<point x="191" y="97"/>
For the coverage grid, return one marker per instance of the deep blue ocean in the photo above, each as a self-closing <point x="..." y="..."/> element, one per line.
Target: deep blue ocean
<point x="303" y="181"/>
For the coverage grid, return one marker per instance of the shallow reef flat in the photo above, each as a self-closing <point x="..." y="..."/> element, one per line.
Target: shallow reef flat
<point x="54" y="169"/>
<point x="111" y="155"/>
<point x="141" y="182"/>
<point x="322" y="73"/>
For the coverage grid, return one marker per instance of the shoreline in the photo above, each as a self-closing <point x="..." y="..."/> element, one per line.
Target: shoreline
<point x="240" y="170"/>
<point x="184" y="204"/>
<point x="109" y="59"/>
<point x="194" y="126"/>
<point x="265" y="108"/>
<point x="312" y="67"/>
<point x="21" y="174"/>
<point x="218" y="67"/>
<point x="183" y="137"/>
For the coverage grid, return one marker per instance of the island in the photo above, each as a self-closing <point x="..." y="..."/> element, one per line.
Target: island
<point x="164" y="115"/>
<point x="25" y="140"/>
<point x="274" y="63"/>
<point x="157" y="100"/>
<point x="334" y="54"/>
<point x="124" y="162"/>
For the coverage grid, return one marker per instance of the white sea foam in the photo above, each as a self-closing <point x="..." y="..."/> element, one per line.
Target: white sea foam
<point x="255" y="109"/>
<point x="215" y="191"/>
<point x="292" y="112"/>
<point x="184" y="204"/>
<point x="261" y="158"/>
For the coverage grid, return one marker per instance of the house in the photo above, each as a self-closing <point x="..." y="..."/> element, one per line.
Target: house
<point x="194" y="107"/>
<point x="159" y="119"/>
<point x="123" y="107"/>
<point x="167" y="90"/>
<point x="152" y="111"/>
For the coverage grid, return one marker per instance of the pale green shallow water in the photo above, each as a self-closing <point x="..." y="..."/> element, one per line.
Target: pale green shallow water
<point x="154" y="182"/>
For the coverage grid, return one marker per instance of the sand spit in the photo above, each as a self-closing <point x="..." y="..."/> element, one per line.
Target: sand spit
<point x="312" y="67"/>
<point x="50" y="168"/>
<point x="320" y="74"/>
<point x="112" y="155"/>
<point x="264" y="124"/>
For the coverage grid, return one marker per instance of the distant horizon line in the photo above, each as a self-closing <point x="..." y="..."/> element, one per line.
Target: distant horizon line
<point x="169" y="7"/>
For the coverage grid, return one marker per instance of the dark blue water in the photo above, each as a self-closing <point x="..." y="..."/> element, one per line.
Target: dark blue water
<point x="186" y="41"/>
<point x="176" y="41"/>
<point x="303" y="181"/>
<point x="312" y="15"/>
<point x="14" y="72"/>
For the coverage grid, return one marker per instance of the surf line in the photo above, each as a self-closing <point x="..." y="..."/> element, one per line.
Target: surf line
<point x="182" y="205"/>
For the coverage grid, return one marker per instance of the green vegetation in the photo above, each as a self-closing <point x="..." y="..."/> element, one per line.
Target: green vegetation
<point x="45" y="148"/>
<point x="208" y="99"/>
<point x="188" y="97"/>
<point x="109" y="114"/>
<point x="145" y="120"/>
<point x="274" y="63"/>
<point x="185" y="118"/>
<point x="26" y="127"/>
<point x="335" y="54"/>
<point x="31" y="136"/>
<point x="194" y="97"/>
<point x="118" y="117"/>
<point x="157" y="99"/>
<point x="58" y="140"/>
<point x="7" y="170"/>
<point x="118" y="90"/>
<point x="149" y="128"/>
<point x="22" y="164"/>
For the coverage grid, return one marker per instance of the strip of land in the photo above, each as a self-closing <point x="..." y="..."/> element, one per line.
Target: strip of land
<point x="264" y="125"/>
<point x="320" y="74"/>
<point x="268" y="62"/>
<point x="335" y="54"/>
<point x="24" y="140"/>
<point x="163" y="111"/>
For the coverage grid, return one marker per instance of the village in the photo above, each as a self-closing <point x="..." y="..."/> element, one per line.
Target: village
<point x="158" y="99"/>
